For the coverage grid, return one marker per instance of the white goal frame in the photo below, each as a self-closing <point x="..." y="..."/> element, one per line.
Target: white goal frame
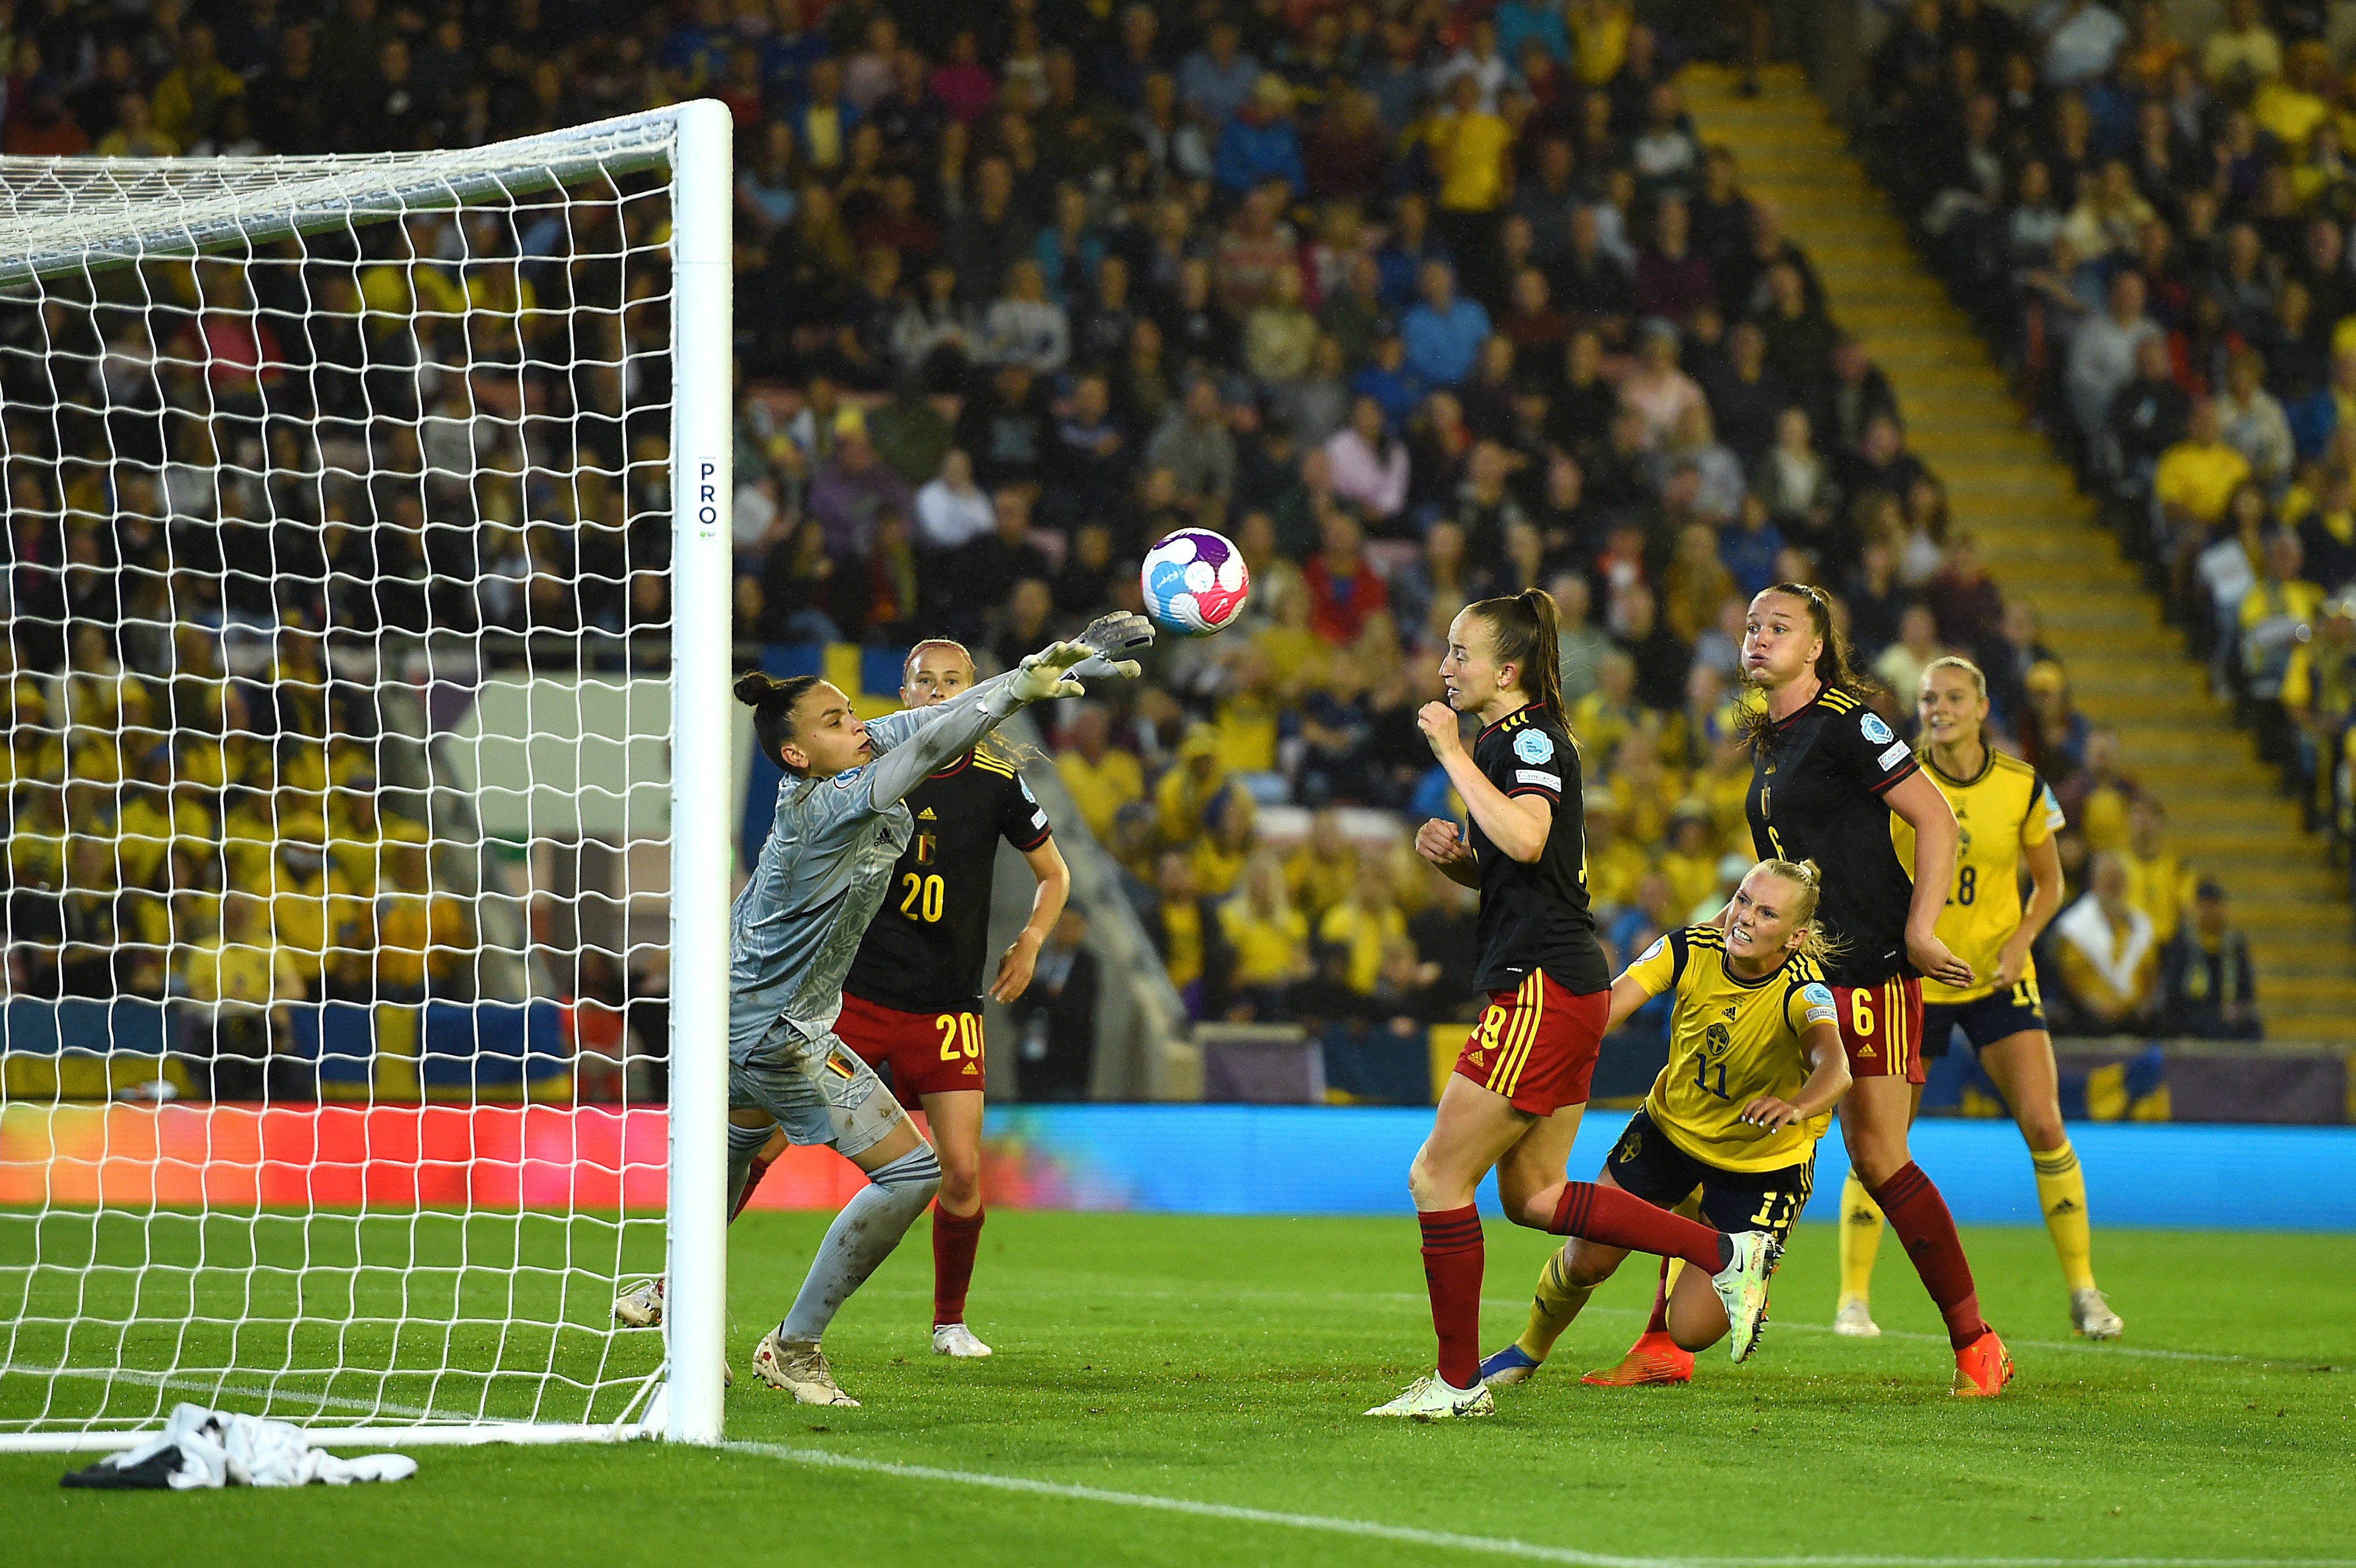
<point x="66" y="217"/>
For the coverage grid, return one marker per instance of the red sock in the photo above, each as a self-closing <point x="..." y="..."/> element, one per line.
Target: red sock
<point x="1453" y="1260"/>
<point x="752" y="1179"/>
<point x="1920" y="1216"/>
<point x="954" y="1237"/>
<point x="1659" y="1322"/>
<point x="1618" y="1218"/>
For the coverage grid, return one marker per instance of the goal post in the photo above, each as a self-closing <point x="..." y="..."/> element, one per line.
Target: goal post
<point x="369" y="782"/>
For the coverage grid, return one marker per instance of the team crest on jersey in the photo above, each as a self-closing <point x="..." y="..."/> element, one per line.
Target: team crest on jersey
<point x="1717" y="1040"/>
<point x="926" y="844"/>
<point x="1632" y="1145"/>
<point x="1533" y="746"/>
<point x="1875" y="730"/>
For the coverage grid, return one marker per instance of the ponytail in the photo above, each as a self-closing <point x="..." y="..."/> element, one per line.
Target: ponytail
<point x="1521" y="632"/>
<point x="1833" y="670"/>
<point x="772" y="702"/>
<point x="1819" y="945"/>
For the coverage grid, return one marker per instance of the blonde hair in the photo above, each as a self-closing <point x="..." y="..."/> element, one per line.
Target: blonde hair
<point x="1819" y="945"/>
<point x="999" y="749"/>
<point x="1957" y="661"/>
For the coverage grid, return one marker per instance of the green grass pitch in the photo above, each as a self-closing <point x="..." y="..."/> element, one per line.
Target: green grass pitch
<point x="1224" y="1362"/>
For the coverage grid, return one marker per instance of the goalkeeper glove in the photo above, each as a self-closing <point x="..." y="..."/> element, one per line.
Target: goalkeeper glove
<point x="1049" y="673"/>
<point x="1108" y="638"/>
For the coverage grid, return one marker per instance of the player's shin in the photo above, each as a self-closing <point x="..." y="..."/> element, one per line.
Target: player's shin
<point x="1919" y="1216"/>
<point x="2062" y="1197"/>
<point x="1454" y="1257"/>
<point x="1552" y="1307"/>
<point x="956" y="1238"/>
<point x="860" y="1238"/>
<point x="1860" y="1241"/>
<point x="743" y="1149"/>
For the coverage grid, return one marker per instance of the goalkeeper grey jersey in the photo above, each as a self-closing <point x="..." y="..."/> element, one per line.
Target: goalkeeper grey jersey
<point x="795" y="927"/>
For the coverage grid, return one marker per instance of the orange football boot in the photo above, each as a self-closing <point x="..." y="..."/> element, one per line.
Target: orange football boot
<point x="1982" y="1368"/>
<point x="1653" y="1358"/>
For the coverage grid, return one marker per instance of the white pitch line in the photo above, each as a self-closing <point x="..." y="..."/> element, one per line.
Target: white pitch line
<point x="1489" y="1545"/>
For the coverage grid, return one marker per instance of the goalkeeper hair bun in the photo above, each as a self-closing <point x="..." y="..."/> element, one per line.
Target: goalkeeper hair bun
<point x="756" y="686"/>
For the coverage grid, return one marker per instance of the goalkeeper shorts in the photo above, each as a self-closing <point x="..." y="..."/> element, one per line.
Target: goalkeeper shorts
<point x="819" y="1090"/>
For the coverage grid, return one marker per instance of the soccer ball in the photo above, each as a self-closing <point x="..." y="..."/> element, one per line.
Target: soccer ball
<point x="1196" y="583"/>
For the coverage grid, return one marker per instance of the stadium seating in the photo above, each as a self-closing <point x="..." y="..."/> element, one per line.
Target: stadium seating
<point x="1680" y="353"/>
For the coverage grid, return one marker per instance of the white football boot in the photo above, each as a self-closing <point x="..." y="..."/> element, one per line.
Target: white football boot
<point x="2092" y="1317"/>
<point x="1430" y="1399"/>
<point x="955" y="1339"/>
<point x="1855" y="1320"/>
<point x="641" y="1306"/>
<point x="799" y="1370"/>
<point x="1742" y="1289"/>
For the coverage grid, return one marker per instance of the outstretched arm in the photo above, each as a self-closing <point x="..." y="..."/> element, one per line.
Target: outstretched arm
<point x="1112" y="642"/>
<point x="1056" y="670"/>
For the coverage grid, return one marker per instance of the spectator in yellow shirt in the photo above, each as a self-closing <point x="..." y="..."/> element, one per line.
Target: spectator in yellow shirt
<point x="1247" y="721"/>
<point x="1102" y="778"/>
<point x="1365" y="922"/>
<point x="1268" y="937"/>
<point x="1690" y="863"/>
<point x="245" y="978"/>
<point x="2292" y="105"/>
<point x="1186" y="792"/>
<point x="1177" y="928"/>
<point x="1470" y="147"/>
<point x="1615" y="868"/>
<point x="2157" y="883"/>
<point x="191" y="94"/>
<point x="1319" y="872"/>
<point x="1219" y="855"/>
<point x="1598" y="37"/>
<point x="423" y="937"/>
<point x="2196" y="478"/>
<point x="1600" y="719"/>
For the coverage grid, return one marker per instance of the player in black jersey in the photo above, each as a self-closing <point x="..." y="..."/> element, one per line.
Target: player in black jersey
<point x="1514" y="1101"/>
<point x="1828" y="776"/>
<point x="912" y="1003"/>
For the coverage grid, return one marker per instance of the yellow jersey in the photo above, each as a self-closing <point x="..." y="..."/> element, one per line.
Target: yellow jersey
<point x="2003" y="811"/>
<point x="1730" y="1041"/>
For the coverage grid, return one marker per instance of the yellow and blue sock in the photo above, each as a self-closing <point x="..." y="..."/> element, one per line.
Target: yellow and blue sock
<point x="2062" y="1197"/>
<point x="1555" y="1301"/>
<point x="1860" y="1241"/>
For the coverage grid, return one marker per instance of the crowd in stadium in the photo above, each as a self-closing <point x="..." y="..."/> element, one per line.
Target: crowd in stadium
<point x="1416" y="303"/>
<point x="2155" y="228"/>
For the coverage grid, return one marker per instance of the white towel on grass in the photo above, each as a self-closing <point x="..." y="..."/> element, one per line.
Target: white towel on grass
<point x="219" y="1448"/>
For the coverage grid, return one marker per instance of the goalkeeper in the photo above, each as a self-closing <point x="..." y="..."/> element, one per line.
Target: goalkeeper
<point x="839" y="827"/>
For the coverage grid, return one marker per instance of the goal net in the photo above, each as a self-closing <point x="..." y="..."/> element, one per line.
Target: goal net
<point x="366" y="780"/>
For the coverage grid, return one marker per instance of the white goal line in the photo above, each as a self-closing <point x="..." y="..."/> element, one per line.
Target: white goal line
<point x="1450" y="1540"/>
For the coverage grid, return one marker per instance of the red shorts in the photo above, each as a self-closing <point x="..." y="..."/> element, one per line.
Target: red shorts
<point x="1535" y="1045"/>
<point x="917" y="1053"/>
<point x="1881" y="1028"/>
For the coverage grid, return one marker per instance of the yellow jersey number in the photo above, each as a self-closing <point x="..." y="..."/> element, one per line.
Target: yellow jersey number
<point x="922" y="896"/>
<point x="960" y="1034"/>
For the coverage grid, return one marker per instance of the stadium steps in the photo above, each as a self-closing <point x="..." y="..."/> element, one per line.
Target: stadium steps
<point x="2045" y="541"/>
